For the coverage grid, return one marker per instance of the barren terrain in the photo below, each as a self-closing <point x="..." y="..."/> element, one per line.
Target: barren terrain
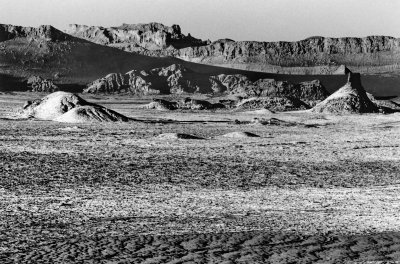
<point x="311" y="188"/>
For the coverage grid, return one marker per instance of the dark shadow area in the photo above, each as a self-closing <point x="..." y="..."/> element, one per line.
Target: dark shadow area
<point x="229" y="247"/>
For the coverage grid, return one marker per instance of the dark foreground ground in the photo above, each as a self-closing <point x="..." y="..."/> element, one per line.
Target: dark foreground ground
<point x="310" y="189"/>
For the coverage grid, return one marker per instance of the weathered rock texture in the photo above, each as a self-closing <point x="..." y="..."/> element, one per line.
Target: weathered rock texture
<point x="52" y="105"/>
<point x="176" y="79"/>
<point x="351" y="98"/>
<point x="240" y="84"/>
<point x="184" y="104"/>
<point x="276" y="104"/>
<point x="90" y="113"/>
<point x="68" y="107"/>
<point x="45" y="32"/>
<point x="169" y="79"/>
<point x="137" y="37"/>
<point x="315" y="55"/>
<point x="39" y="84"/>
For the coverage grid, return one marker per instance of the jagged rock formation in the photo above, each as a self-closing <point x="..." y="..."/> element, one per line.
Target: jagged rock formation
<point x="160" y="104"/>
<point x="68" y="107"/>
<point x="169" y="79"/>
<point x="38" y="84"/>
<point x="184" y="104"/>
<point x="45" y="32"/>
<point x="194" y="104"/>
<point x="91" y="113"/>
<point x="48" y="52"/>
<point x="311" y="91"/>
<point x="276" y="104"/>
<point x="349" y="99"/>
<point x="137" y="37"/>
<point x="232" y="84"/>
<point x="133" y="82"/>
<point x="316" y="55"/>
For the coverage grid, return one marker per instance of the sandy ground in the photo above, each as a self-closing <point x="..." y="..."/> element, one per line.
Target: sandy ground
<point x="311" y="189"/>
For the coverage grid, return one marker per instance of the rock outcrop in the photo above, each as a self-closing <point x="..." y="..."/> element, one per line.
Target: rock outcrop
<point x="312" y="91"/>
<point x="52" y="105"/>
<point x="315" y="55"/>
<point x="91" y="113"/>
<point x="311" y="56"/>
<point x="169" y="79"/>
<point x="68" y="107"/>
<point x="45" y="32"/>
<point x="349" y="99"/>
<point x="184" y="104"/>
<point x="232" y="84"/>
<point x="136" y="37"/>
<point x="133" y="82"/>
<point x="276" y="104"/>
<point x="39" y="84"/>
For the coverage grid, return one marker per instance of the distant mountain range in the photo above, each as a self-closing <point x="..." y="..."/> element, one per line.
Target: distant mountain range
<point x="83" y="54"/>
<point x="314" y="55"/>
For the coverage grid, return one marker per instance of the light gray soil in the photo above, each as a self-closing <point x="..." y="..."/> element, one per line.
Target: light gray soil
<point x="323" y="189"/>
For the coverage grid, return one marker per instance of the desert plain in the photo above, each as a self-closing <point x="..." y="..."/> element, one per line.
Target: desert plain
<point x="300" y="187"/>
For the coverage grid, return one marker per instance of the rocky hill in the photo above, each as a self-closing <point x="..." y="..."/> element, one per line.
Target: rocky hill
<point x="71" y="63"/>
<point x="316" y="55"/>
<point x="48" y="52"/>
<point x="350" y="98"/>
<point x="137" y="37"/>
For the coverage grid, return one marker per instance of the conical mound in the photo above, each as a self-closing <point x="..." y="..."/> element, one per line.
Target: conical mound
<point x="239" y="134"/>
<point x="351" y="98"/>
<point x="53" y="105"/>
<point x="91" y="113"/>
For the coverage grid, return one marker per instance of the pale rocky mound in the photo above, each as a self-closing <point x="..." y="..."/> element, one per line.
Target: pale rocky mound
<point x="52" y="105"/>
<point x="262" y="111"/>
<point x="164" y="80"/>
<point x="177" y="136"/>
<point x="39" y="84"/>
<point x="239" y="134"/>
<point x="184" y="104"/>
<point x="349" y="99"/>
<point x="91" y="113"/>
<point x="160" y="104"/>
<point x="276" y="104"/>
<point x="194" y="104"/>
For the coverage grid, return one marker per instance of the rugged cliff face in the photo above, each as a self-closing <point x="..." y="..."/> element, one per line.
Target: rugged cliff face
<point x="171" y="79"/>
<point x="45" y="32"/>
<point x="316" y="55"/>
<point x="140" y="38"/>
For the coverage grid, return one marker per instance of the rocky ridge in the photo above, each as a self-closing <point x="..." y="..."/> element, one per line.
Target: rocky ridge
<point x="140" y="38"/>
<point x="169" y="79"/>
<point x="176" y="79"/>
<point x="314" y="55"/>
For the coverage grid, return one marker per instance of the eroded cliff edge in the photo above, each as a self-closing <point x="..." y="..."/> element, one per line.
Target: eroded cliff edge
<point x="314" y="55"/>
